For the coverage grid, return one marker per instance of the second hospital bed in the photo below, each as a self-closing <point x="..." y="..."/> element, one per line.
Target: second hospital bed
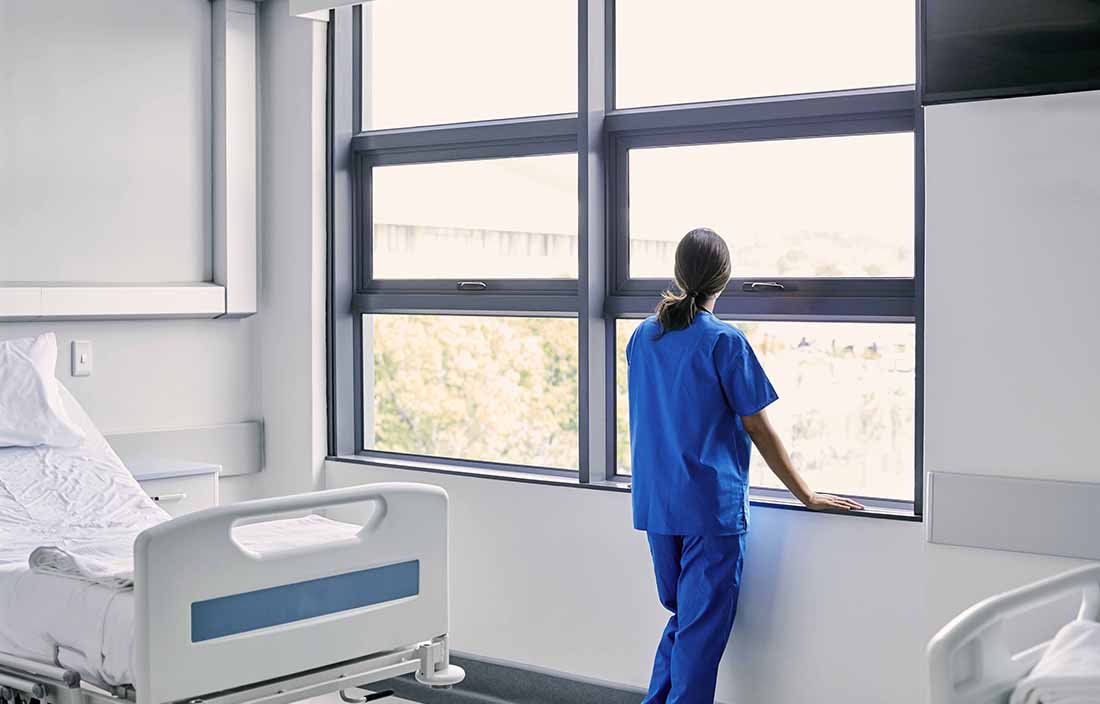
<point x="973" y="661"/>
<point x="261" y="601"/>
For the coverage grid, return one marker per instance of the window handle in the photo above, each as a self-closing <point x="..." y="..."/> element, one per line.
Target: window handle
<point x="471" y="286"/>
<point x="754" y="286"/>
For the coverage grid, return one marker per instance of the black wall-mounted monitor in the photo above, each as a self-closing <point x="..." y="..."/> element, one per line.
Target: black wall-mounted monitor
<point x="974" y="49"/>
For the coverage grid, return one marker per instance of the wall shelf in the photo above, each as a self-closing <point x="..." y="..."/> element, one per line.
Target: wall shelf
<point x="73" y="301"/>
<point x="232" y="290"/>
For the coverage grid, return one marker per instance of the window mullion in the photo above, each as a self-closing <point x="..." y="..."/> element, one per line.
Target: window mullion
<point x="593" y="55"/>
<point x="343" y="381"/>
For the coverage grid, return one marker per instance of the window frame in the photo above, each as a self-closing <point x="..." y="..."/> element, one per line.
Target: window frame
<point x="844" y="114"/>
<point x="549" y="135"/>
<point x="603" y="292"/>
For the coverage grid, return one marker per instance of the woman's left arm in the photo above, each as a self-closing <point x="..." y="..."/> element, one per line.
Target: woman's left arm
<point x="775" y="454"/>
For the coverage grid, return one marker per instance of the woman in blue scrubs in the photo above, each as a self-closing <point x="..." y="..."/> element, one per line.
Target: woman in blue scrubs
<point x="697" y="399"/>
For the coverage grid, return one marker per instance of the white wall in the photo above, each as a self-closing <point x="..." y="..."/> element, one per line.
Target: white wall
<point x="556" y="577"/>
<point x="1013" y="230"/>
<point x="105" y="176"/>
<point x="292" y="219"/>
<point x="833" y="608"/>
<point x="838" y="609"/>
<point x="105" y="141"/>
<point x="1012" y="247"/>
<point x="162" y="374"/>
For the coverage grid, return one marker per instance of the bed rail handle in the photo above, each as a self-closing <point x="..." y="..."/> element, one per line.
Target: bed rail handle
<point x="381" y="495"/>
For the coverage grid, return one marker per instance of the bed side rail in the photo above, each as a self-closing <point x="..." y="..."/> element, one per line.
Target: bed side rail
<point x="969" y="659"/>
<point x="212" y="616"/>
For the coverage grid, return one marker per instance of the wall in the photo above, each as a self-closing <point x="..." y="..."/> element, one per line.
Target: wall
<point x="162" y="374"/>
<point x="105" y="137"/>
<point x="1013" y="249"/>
<point x="292" y="219"/>
<point x="833" y="608"/>
<point x="555" y="577"/>
<point x="105" y="176"/>
<point x="1013" y="241"/>
<point x="838" y="609"/>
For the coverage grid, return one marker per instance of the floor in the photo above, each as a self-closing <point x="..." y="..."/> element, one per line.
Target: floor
<point x="335" y="699"/>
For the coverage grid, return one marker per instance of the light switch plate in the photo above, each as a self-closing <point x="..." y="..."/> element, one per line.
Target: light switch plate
<point x="82" y="358"/>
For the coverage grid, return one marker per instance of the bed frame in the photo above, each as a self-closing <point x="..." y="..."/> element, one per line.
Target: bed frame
<point x="969" y="660"/>
<point x="219" y="624"/>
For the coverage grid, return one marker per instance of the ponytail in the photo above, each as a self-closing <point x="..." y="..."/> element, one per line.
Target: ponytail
<point x="676" y="311"/>
<point x="702" y="270"/>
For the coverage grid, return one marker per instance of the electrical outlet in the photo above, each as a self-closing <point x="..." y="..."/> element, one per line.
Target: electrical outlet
<point x="82" y="358"/>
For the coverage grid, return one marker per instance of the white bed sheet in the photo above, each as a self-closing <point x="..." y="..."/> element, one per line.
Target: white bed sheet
<point x="75" y="498"/>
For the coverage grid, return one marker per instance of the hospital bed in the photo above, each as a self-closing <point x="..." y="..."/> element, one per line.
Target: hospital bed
<point x="262" y="602"/>
<point x="970" y="660"/>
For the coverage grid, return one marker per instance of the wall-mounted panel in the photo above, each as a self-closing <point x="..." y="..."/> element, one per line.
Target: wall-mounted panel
<point x="1007" y="513"/>
<point x="236" y="447"/>
<point x="104" y="302"/>
<point x="152" y="301"/>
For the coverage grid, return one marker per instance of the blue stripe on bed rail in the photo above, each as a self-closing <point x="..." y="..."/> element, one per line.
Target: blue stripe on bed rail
<point x="274" y="606"/>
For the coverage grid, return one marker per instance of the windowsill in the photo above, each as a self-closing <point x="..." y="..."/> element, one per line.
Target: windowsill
<point x="766" y="498"/>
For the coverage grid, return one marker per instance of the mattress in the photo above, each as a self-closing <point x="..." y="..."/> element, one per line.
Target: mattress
<point x="80" y="499"/>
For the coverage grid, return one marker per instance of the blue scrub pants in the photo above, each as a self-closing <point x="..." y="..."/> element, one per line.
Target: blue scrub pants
<point x="698" y="580"/>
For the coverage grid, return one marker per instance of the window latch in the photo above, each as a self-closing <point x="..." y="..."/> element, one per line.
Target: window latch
<point x="757" y="286"/>
<point x="471" y="286"/>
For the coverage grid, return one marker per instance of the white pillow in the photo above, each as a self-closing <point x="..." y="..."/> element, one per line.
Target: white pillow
<point x="31" y="410"/>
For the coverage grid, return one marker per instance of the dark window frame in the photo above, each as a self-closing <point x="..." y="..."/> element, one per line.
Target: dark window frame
<point x="603" y="292"/>
<point x="496" y="139"/>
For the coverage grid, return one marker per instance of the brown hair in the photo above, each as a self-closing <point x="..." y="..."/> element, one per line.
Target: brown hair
<point x="702" y="270"/>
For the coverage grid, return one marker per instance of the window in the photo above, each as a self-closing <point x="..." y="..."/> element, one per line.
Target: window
<point x="846" y="403"/>
<point x="510" y="59"/>
<point x="513" y="214"/>
<point x="492" y="218"/>
<point x="473" y="387"/>
<point x="705" y="50"/>
<point x="833" y="206"/>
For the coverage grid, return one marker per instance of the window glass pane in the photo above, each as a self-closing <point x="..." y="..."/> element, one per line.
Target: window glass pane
<point x="835" y="206"/>
<point x="469" y="387"/>
<point x="706" y="50"/>
<point x="847" y="394"/>
<point x="429" y="62"/>
<point x="493" y="218"/>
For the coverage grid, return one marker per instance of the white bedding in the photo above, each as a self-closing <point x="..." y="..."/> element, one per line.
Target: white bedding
<point x="85" y="502"/>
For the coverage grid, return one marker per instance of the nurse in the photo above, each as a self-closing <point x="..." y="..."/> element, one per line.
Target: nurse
<point x="697" y="399"/>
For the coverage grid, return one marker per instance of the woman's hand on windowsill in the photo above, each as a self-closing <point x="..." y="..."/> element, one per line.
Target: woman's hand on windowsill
<point x="828" y="502"/>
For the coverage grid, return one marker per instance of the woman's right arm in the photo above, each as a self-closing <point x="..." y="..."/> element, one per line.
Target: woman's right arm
<point x="771" y="447"/>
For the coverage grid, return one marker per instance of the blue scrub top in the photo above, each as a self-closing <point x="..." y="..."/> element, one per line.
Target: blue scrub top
<point x="689" y="451"/>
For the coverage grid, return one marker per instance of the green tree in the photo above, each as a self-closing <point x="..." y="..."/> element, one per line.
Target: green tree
<point x="495" y="389"/>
